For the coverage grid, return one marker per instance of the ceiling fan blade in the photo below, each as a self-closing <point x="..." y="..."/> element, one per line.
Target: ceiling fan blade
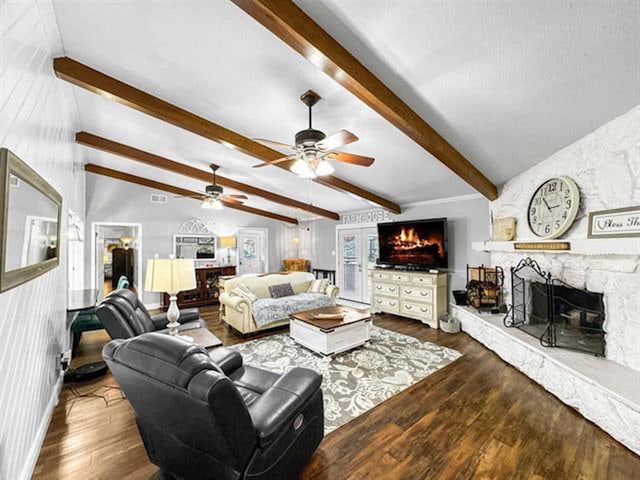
<point x="271" y="143"/>
<point x="278" y="160"/>
<point x="338" y="139"/>
<point x="238" y="197"/>
<point x="351" y="158"/>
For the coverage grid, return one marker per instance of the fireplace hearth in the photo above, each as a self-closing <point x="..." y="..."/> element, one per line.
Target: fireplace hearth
<point x="556" y="313"/>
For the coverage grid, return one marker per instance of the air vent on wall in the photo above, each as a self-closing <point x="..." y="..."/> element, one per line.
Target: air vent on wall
<point x="157" y="198"/>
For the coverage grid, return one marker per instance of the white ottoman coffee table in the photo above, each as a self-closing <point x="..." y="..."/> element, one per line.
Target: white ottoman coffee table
<point x="329" y="337"/>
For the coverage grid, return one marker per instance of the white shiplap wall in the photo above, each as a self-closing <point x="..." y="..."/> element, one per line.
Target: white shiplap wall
<point x="37" y="122"/>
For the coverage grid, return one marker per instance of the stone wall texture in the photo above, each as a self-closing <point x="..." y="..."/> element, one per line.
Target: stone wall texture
<point x="606" y="166"/>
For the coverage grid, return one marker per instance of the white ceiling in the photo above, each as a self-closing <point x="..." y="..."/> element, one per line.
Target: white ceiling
<point x="506" y="83"/>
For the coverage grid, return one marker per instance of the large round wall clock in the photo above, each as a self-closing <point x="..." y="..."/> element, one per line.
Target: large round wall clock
<point x="553" y="207"/>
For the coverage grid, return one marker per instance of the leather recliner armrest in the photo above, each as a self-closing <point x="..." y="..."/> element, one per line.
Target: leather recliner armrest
<point x="227" y="359"/>
<point x="186" y="315"/>
<point x="281" y="403"/>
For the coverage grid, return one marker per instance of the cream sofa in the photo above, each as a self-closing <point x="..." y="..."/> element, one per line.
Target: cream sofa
<point x="238" y="312"/>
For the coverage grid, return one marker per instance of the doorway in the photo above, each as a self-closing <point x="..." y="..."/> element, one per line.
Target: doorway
<point x="116" y="252"/>
<point x="253" y="245"/>
<point x="357" y="254"/>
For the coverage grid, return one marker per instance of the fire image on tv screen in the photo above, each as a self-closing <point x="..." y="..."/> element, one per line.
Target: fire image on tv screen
<point x="420" y="243"/>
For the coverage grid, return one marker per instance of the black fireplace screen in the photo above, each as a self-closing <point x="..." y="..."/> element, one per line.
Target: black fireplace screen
<point x="554" y="312"/>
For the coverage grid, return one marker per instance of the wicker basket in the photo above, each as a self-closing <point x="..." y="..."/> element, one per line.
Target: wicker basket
<point x="449" y="324"/>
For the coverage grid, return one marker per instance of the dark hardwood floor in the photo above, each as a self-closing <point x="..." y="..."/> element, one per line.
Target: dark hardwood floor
<point x="476" y="418"/>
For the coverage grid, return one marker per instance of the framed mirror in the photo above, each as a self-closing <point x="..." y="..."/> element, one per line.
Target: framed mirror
<point x="30" y="216"/>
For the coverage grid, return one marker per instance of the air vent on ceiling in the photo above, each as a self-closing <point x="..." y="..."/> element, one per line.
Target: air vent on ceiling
<point x="14" y="181"/>
<point x="157" y="198"/>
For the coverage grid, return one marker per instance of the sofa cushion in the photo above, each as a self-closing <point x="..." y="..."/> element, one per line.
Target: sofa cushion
<point x="269" y="310"/>
<point x="319" y="285"/>
<point x="281" y="290"/>
<point x="244" y="292"/>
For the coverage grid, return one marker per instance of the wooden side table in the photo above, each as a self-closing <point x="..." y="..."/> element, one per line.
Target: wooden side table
<point x="203" y="336"/>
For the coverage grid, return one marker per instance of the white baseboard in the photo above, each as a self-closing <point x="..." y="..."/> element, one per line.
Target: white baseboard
<point x="41" y="433"/>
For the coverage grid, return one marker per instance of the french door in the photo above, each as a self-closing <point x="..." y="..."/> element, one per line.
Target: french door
<point x="358" y="252"/>
<point x="252" y="248"/>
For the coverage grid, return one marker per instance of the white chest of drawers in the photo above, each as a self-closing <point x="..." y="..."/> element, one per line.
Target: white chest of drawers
<point x="418" y="295"/>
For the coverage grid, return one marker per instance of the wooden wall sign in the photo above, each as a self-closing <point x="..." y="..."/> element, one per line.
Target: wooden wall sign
<point x="366" y="216"/>
<point x="619" y="222"/>
<point x="542" y="246"/>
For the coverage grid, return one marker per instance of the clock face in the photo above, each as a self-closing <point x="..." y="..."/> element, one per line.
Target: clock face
<point x="553" y="207"/>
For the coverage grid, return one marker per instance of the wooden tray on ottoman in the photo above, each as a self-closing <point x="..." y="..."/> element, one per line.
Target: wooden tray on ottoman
<point x="331" y="336"/>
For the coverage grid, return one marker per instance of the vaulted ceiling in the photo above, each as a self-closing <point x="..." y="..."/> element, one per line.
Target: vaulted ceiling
<point x="507" y="84"/>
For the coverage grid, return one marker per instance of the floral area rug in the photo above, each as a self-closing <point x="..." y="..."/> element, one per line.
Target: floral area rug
<point x="358" y="380"/>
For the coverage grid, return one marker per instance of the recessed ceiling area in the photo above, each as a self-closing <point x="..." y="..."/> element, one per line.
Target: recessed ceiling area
<point x="506" y="86"/>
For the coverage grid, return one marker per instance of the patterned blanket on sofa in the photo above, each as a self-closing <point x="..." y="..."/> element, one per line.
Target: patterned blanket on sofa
<point x="269" y="310"/>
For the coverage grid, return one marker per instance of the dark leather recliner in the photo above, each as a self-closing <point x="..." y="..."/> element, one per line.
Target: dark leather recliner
<point x="124" y="315"/>
<point x="207" y="416"/>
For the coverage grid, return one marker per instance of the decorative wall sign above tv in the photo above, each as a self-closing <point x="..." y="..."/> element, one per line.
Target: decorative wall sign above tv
<point x="553" y="207"/>
<point x="619" y="222"/>
<point x="366" y="216"/>
<point x="30" y="218"/>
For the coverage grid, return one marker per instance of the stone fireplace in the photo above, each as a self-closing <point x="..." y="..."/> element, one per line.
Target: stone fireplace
<point x="594" y="285"/>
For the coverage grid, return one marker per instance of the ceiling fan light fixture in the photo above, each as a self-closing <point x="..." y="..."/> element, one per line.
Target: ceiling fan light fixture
<point x="300" y="167"/>
<point x="324" y="168"/>
<point x="211" y="204"/>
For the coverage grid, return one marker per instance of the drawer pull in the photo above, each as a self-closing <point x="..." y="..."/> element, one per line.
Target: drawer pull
<point x="408" y="307"/>
<point x="378" y="301"/>
<point x="392" y="289"/>
<point x="424" y="294"/>
<point x="408" y="292"/>
<point x="424" y="310"/>
<point x="392" y="304"/>
<point x="378" y="287"/>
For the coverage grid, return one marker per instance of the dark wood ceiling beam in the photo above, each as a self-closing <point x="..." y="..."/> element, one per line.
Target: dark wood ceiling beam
<point x="97" y="82"/>
<point x="288" y="22"/>
<point x="115" y="148"/>
<point x="145" y="182"/>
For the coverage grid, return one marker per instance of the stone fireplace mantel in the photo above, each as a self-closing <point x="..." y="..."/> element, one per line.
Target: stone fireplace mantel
<point x="602" y="390"/>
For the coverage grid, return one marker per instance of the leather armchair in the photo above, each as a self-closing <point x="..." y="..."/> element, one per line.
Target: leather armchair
<point x="207" y="416"/>
<point x="124" y="315"/>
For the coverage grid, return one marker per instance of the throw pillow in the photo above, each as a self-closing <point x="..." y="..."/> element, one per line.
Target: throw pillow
<point x="281" y="290"/>
<point x="319" y="285"/>
<point x="244" y="292"/>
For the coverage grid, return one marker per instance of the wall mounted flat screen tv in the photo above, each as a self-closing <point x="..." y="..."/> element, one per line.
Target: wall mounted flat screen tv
<point x="415" y="243"/>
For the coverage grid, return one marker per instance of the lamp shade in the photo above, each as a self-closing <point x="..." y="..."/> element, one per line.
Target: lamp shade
<point x="171" y="275"/>
<point x="228" y="242"/>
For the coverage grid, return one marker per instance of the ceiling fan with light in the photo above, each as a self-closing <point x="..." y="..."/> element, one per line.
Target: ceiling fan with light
<point x="314" y="149"/>
<point x="213" y="196"/>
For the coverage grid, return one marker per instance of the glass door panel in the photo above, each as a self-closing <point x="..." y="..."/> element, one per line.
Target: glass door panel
<point x="371" y="258"/>
<point x="350" y="262"/>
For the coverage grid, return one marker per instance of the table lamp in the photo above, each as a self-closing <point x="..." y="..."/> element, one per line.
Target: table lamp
<point x="228" y="243"/>
<point x="171" y="275"/>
